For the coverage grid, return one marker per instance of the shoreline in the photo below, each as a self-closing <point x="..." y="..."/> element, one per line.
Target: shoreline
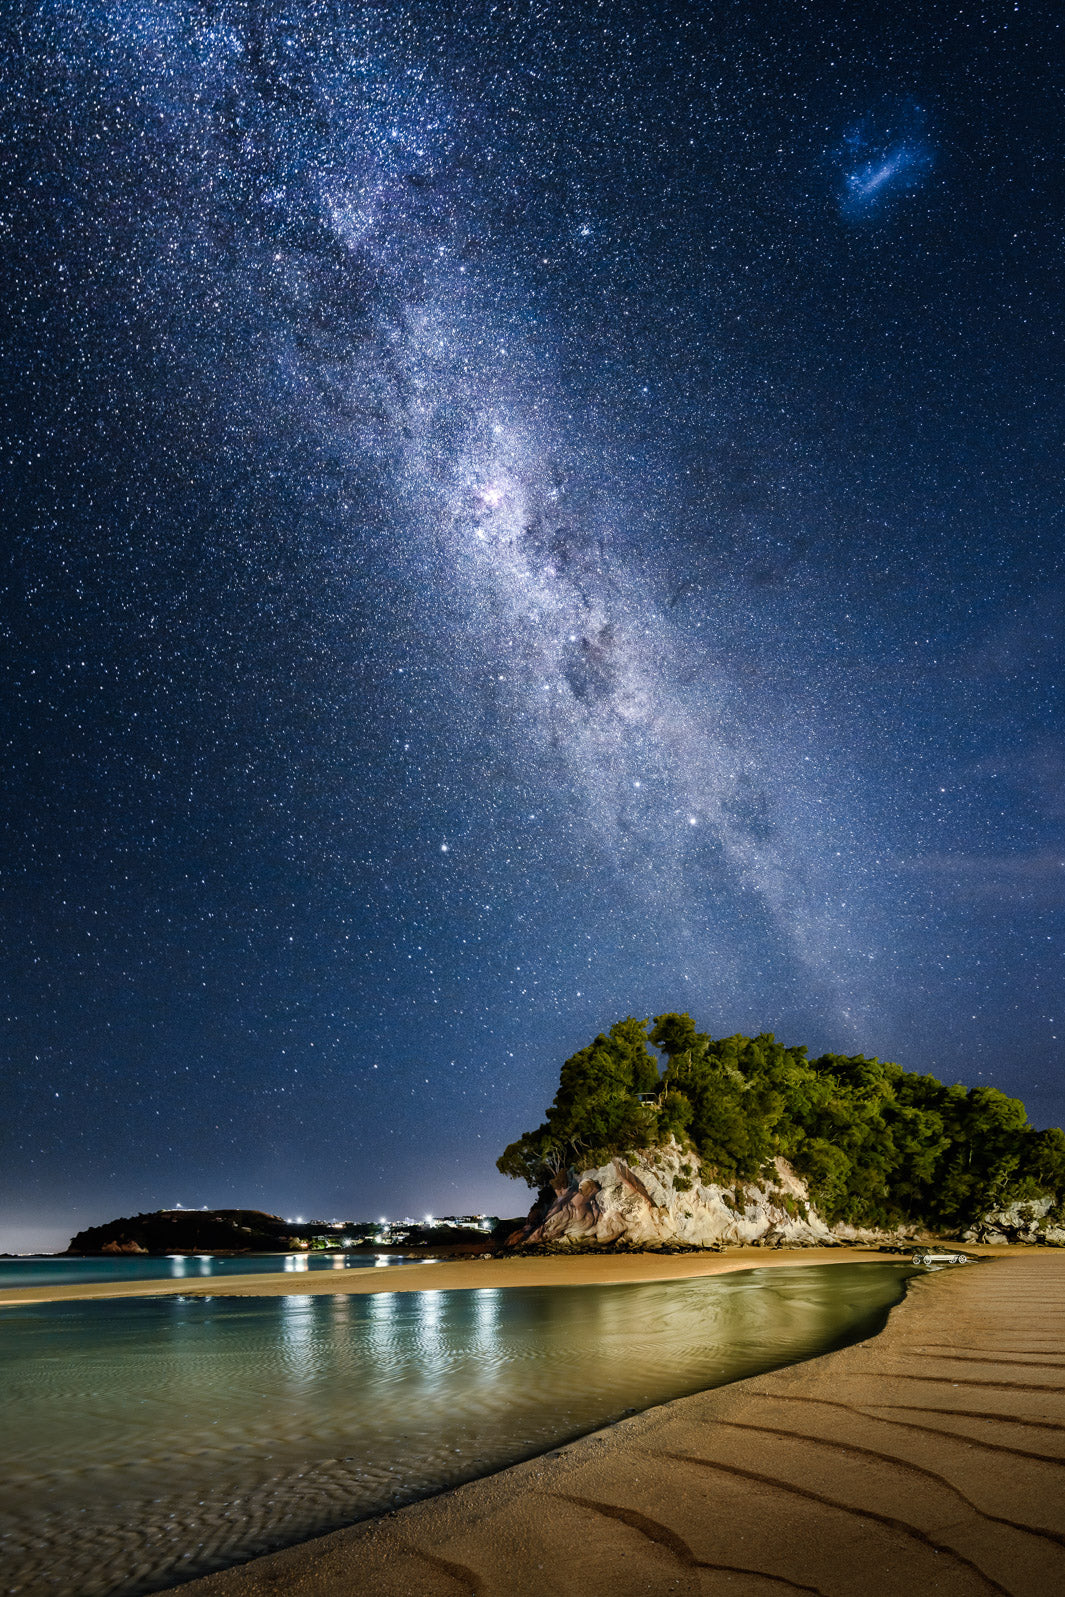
<point x="930" y="1457"/>
<point x="462" y="1275"/>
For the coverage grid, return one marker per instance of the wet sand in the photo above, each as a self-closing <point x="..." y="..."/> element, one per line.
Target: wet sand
<point x="929" y="1459"/>
<point x="599" y="1269"/>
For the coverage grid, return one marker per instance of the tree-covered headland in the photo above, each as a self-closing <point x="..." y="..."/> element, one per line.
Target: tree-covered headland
<point x="876" y="1144"/>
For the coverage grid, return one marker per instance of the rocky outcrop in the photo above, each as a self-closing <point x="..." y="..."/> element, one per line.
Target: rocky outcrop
<point x="123" y="1247"/>
<point x="656" y="1197"/>
<point x="1034" y="1220"/>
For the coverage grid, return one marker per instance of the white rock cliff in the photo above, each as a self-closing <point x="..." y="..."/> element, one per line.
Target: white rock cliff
<point x="655" y="1197"/>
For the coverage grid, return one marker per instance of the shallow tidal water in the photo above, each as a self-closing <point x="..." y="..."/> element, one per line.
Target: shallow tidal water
<point x="50" y="1270"/>
<point x="146" y="1441"/>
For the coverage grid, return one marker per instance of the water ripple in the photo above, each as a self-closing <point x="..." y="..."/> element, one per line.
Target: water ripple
<point x="149" y="1440"/>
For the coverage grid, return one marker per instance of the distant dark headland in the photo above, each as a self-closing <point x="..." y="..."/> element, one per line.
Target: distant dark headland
<point x="166" y="1231"/>
<point x="187" y="1231"/>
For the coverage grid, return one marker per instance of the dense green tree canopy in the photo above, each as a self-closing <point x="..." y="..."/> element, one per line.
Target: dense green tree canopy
<point x="877" y="1144"/>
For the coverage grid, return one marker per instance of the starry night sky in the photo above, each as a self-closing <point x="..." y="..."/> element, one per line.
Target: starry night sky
<point x="515" y="515"/>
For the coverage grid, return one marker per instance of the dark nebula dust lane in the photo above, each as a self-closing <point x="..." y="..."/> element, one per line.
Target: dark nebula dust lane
<point x="513" y="517"/>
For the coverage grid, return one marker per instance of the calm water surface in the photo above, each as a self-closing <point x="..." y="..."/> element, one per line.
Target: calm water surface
<point x="48" y="1271"/>
<point x="145" y="1441"/>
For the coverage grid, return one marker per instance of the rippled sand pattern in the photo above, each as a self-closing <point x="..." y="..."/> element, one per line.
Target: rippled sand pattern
<point x="145" y="1441"/>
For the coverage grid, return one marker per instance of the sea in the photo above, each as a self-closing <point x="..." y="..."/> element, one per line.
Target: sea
<point x="46" y="1270"/>
<point x="145" y="1441"/>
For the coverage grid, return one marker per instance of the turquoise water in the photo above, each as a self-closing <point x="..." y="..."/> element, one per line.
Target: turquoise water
<point x="46" y="1271"/>
<point x="148" y="1440"/>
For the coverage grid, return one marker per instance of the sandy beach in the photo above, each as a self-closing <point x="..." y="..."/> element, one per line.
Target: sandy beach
<point x="462" y="1274"/>
<point x="927" y="1459"/>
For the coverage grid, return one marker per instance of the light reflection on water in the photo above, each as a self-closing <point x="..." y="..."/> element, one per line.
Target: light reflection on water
<point x="147" y="1440"/>
<point x="55" y="1271"/>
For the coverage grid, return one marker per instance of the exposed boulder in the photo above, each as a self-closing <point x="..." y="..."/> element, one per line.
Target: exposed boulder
<point x="657" y="1197"/>
<point x="1034" y="1220"/>
<point x="128" y="1246"/>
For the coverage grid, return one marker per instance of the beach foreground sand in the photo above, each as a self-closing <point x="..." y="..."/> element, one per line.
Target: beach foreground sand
<point x="928" y="1459"/>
